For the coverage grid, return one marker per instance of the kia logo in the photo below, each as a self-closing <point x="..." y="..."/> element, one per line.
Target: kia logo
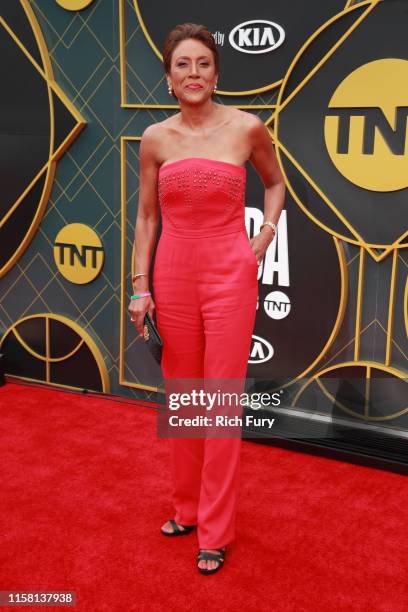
<point x="257" y="36"/>
<point x="261" y="350"/>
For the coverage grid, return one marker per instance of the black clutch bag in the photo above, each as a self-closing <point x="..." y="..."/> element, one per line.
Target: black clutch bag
<point x="152" y="338"/>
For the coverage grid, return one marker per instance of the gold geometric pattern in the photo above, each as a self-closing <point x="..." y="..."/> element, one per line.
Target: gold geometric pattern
<point x="84" y="340"/>
<point x="49" y="165"/>
<point x="86" y="190"/>
<point x="369" y="367"/>
<point x="84" y="186"/>
<point x="283" y="102"/>
<point x="399" y="356"/>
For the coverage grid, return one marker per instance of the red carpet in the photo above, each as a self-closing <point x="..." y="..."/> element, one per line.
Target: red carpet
<point x="86" y="489"/>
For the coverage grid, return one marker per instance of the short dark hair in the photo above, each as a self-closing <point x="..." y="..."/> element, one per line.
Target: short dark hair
<point x="189" y="30"/>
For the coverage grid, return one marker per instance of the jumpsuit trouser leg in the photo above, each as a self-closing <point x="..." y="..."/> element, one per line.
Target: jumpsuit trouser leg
<point x="205" y="294"/>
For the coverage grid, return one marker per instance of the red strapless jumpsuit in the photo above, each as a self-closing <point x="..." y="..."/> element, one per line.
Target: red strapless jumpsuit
<point x="205" y="291"/>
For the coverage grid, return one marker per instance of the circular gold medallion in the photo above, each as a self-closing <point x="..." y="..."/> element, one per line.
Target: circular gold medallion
<point x="74" y="5"/>
<point x="78" y="253"/>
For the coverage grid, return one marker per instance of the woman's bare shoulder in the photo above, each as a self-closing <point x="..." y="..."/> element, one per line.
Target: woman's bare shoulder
<point x="160" y="128"/>
<point x="247" y="119"/>
<point x="150" y="142"/>
<point x="156" y="135"/>
<point x="253" y="127"/>
<point x="245" y="123"/>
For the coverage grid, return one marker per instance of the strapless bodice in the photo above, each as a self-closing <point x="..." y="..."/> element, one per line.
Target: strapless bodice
<point x="199" y="196"/>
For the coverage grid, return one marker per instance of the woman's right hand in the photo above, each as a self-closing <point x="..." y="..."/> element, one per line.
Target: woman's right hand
<point x="138" y="308"/>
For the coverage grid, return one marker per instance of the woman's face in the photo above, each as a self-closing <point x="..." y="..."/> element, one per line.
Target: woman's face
<point x="192" y="71"/>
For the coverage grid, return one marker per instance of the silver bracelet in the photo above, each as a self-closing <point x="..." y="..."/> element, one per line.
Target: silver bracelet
<point x="272" y="225"/>
<point x="139" y="274"/>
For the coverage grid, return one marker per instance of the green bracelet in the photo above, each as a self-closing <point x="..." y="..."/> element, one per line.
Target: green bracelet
<point x="136" y="296"/>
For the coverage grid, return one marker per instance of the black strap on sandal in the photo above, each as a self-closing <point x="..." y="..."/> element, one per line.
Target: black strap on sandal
<point x="176" y="527"/>
<point x="208" y="556"/>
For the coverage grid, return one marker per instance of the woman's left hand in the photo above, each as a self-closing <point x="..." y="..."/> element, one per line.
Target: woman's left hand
<point x="260" y="243"/>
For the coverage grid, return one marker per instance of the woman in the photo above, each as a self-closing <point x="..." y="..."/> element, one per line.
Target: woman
<point x="205" y="273"/>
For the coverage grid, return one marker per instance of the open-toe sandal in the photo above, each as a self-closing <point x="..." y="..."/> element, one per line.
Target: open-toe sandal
<point x="176" y="529"/>
<point x="209" y="556"/>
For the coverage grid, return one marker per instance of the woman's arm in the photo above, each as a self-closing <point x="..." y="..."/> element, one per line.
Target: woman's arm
<point x="264" y="160"/>
<point x="146" y="224"/>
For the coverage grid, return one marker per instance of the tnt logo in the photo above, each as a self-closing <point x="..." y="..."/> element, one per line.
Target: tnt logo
<point x="78" y="253"/>
<point x="366" y="126"/>
<point x="277" y="305"/>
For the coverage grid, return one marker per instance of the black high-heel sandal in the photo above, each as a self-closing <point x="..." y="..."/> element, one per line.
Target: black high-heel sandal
<point x="176" y="529"/>
<point x="204" y="556"/>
